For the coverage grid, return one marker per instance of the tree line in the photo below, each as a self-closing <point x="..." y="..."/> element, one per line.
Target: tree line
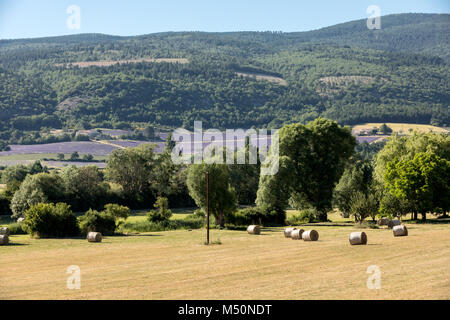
<point x="318" y="171"/>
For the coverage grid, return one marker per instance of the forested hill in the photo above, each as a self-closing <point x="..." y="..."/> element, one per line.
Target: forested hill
<point x="410" y="33"/>
<point x="240" y="79"/>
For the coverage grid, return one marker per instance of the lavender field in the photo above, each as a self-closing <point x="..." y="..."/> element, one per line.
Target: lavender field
<point x="133" y="144"/>
<point x="24" y="153"/>
<point x="84" y="147"/>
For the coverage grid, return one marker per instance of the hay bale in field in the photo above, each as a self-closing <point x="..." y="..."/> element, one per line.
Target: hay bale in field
<point x="4" y="231"/>
<point x="383" y="221"/>
<point x="400" y="231"/>
<point x="94" y="237"/>
<point x="297" y="234"/>
<point x="358" y="238"/>
<point x="393" y="223"/>
<point x="310" y="235"/>
<point x="254" y="229"/>
<point x="4" y="240"/>
<point x="288" y="231"/>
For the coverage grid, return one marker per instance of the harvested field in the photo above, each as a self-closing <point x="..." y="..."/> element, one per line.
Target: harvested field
<point x="263" y="77"/>
<point x="176" y="265"/>
<point x="87" y="64"/>
<point x="402" y="128"/>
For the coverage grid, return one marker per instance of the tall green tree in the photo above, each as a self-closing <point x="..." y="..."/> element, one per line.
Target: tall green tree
<point x="133" y="169"/>
<point x="84" y="187"/>
<point x="39" y="188"/>
<point x="222" y="196"/>
<point x="13" y="177"/>
<point x="245" y="177"/>
<point x="423" y="181"/>
<point x="406" y="147"/>
<point x="312" y="160"/>
<point x="358" y="178"/>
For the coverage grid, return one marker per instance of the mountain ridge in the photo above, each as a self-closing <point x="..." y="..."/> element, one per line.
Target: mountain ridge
<point x="390" y="75"/>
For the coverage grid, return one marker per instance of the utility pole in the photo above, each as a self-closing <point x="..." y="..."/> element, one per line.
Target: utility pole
<point x="207" y="208"/>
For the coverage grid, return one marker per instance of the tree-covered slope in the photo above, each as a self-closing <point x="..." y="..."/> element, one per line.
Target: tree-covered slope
<point x="344" y="72"/>
<point x="24" y="96"/>
<point x="410" y="33"/>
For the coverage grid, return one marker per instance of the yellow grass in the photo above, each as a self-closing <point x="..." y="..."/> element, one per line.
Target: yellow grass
<point x="176" y="265"/>
<point x="401" y="127"/>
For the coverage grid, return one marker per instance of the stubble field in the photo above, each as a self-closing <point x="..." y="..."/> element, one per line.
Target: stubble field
<point x="177" y="265"/>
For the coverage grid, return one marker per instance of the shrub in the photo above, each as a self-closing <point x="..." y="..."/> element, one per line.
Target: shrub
<point x="362" y="206"/>
<point x="120" y="214"/>
<point x="190" y="222"/>
<point x="304" y="216"/>
<point x="199" y="213"/>
<point x="273" y="216"/>
<point x="49" y="220"/>
<point x="162" y="213"/>
<point x="246" y="216"/>
<point x="117" y="211"/>
<point x="16" y="229"/>
<point x="257" y="215"/>
<point x="94" y="221"/>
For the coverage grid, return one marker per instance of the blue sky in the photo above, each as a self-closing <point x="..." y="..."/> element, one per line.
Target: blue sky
<point x="31" y="18"/>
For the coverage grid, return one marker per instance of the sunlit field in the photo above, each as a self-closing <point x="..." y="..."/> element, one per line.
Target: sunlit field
<point x="177" y="265"/>
<point x="402" y="128"/>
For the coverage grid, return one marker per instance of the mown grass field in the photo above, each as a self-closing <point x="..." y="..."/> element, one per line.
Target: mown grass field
<point x="403" y="128"/>
<point x="177" y="265"/>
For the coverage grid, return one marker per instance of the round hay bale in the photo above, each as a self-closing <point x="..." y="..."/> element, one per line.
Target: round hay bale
<point x="288" y="231"/>
<point x="254" y="229"/>
<point x="94" y="237"/>
<point x="393" y="223"/>
<point x="4" y="231"/>
<point x="4" y="240"/>
<point x="383" y="221"/>
<point x="358" y="238"/>
<point x="400" y="231"/>
<point x="310" y="235"/>
<point x="297" y="234"/>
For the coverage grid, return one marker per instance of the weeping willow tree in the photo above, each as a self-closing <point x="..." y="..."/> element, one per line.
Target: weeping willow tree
<point x="311" y="162"/>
